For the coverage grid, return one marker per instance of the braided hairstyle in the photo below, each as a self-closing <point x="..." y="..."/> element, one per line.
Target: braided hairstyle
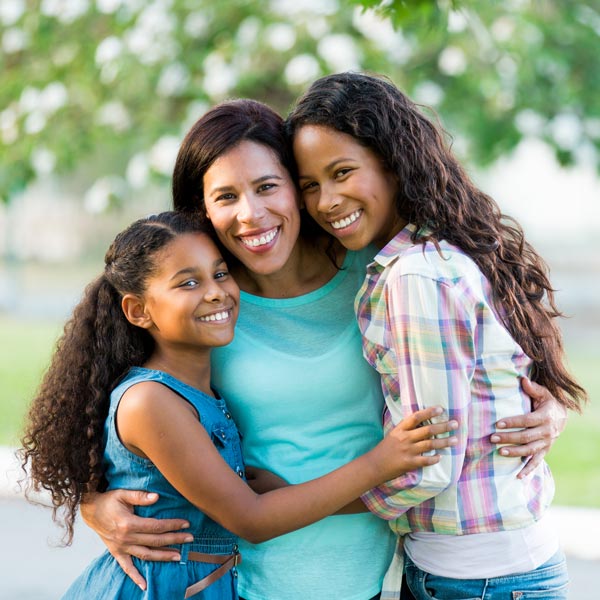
<point x="437" y="195"/>
<point x="62" y="444"/>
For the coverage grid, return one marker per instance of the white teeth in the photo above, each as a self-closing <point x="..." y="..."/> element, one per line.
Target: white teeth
<point x="347" y="221"/>
<point x="220" y="316"/>
<point x="260" y="241"/>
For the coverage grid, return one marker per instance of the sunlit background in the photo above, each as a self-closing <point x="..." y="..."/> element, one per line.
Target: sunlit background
<point x="96" y="95"/>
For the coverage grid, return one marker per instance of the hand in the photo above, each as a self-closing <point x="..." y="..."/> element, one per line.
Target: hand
<point x="125" y="535"/>
<point x="409" y="444"/>
<point x="539" y="428"/>
<point x="262" y="480"/>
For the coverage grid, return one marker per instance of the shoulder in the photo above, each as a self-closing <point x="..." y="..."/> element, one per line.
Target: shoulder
<point x="149" y="399"/>
<point x="443" y="264"/>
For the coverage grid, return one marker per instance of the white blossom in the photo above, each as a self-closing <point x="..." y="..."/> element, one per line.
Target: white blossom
<point x="428" y="93"/>
<point x="11" y="11"/>
<point x="138" y="171"/>
<point x="452" y="61"/>
<point x="13" y="40"/>
<point x="173" y="80"/>
<point x="163" y="154"/>
<point x="66" y="11"/>
<point x="280" y="36"/>
<point x="108" y="50"/>
<point x="114" y="114"/>
<point x="339" y="52"/>
<point x="43" y="161"/>
<point x="219" y="77"/>
<point x="301" y="69"/>
<point x="566" y="130"/>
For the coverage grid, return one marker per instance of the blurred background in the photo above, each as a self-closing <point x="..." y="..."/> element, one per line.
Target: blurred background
<point x="96" y="95"/>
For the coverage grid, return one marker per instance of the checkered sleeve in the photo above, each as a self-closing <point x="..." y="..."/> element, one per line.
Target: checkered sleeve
<point x="431" y="327"/>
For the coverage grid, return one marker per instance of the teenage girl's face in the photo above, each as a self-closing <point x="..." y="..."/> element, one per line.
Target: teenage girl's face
<point x="345" y="187"/>
<point x="252" y="203"/>
<point x="192" y="299"/>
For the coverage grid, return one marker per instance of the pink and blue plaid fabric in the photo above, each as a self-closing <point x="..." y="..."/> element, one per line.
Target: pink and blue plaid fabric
<point x="431" y="330"/>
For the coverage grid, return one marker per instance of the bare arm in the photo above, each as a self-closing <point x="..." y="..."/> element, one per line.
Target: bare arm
<point x="263" y="480"/>
<point x="125" y="534"/>
<point x="539" y="429"/>
<point x="172" y="437"/>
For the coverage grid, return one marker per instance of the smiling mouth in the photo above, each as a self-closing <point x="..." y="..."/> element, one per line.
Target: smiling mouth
<point x="346" y="220"/>
<point x="260" y="240"/>
<point x="222" y="315"/>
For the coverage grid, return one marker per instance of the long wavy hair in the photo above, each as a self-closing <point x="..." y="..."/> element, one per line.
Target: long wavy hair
<point x="221" y="129"/>
<point x="436" y="195"/>
<point x="62" y="444"/>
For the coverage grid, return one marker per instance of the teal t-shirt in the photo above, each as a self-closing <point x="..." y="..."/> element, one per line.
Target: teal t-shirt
<point x="306" y="402"/>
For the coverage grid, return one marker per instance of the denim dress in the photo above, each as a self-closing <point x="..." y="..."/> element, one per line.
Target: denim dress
<point x="104" y="579"/>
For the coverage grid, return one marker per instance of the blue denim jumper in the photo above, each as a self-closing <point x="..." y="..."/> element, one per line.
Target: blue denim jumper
<point x="104" y="579"/>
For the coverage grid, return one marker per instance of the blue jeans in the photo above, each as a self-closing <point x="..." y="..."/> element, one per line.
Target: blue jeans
<point x="548" y="582"/>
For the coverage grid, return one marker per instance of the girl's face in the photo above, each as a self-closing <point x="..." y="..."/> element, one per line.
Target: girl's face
<point x="252" y="203"/>
<point x="192" y="300"/>
<point x="345" y="187"/>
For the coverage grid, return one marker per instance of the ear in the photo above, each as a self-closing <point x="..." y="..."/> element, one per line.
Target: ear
<point x="135" y="311"/>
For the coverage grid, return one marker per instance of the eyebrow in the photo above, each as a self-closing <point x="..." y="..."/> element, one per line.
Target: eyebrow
<point x="328" y="166"/>
<point x="227" y="188"/>
<point x="188" y="270"/>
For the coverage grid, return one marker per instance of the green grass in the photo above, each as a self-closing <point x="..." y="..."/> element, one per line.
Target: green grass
<point x="25" y="349"/>
<point x="26" y="345"/>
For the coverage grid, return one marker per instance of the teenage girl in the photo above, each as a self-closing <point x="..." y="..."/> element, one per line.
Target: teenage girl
<point x="138" y="350"/>
<point x="456" y="307"/>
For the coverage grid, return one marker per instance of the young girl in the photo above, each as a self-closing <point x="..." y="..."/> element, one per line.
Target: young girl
<point x="456" y="307"/>
<point x="138" y="350"/>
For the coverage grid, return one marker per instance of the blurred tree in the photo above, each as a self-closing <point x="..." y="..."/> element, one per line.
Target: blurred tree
<point x="114" y="84"/>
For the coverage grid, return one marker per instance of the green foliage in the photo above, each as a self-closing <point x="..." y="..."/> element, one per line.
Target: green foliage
<point x="116" y="83"/>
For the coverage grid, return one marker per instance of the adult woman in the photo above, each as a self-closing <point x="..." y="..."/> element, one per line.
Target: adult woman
<point x="308" y="400"/>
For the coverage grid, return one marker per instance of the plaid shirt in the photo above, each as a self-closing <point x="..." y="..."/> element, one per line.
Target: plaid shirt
<point x="432" y="332"/>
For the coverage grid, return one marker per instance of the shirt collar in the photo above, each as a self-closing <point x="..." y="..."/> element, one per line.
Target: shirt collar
<point x="394" y="248"/>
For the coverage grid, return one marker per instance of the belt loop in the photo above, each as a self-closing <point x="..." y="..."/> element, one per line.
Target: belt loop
<point x="183" y="551"/>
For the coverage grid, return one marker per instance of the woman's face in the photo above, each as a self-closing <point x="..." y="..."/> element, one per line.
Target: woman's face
<point x="252" y="204"/>
<point x="345" y="187"/>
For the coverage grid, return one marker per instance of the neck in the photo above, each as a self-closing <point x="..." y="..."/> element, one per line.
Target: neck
<point x="307" y="269"/>
<point x="190" y="366"/>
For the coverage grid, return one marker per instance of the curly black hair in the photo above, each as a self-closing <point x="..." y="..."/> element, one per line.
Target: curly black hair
<point x="435" y="193"/>
<point x="62" y="444"/>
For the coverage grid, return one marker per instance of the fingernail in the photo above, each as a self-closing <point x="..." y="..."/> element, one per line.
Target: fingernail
<point x="189" y="538"/>
<point x="495" y="438"/>
<point x="151" y="495"/>
<point x="185" y="525"/>
<point x="504" y="452"/>
<point x="453" y="424"/>
<point x="453" y="440"/>
<point x="501" y="425"/>
<point x="439" y="410"/>
<point x="142" y="587"/>
<point x="176" y="558"/>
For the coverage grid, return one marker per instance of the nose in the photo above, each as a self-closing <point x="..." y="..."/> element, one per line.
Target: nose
<point x="328" y="199"/>
<point x="215" y="294"/>
<point x="251" y="208"/>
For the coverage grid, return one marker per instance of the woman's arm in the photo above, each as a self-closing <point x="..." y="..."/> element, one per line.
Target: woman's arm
<point x="125" y="534"/>
<point x="166" y="431"/>
<point x="539" y="429"/>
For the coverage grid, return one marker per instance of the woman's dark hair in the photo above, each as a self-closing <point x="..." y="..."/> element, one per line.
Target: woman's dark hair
<point x="220" y="130"/>
<point x="436" y="195"/>
<point x="62" y="444"/>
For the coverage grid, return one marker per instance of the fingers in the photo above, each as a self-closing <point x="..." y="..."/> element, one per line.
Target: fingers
<point x="136" y="497"/>
<point x="156" y="527"/>
<point x="154" y="554"/>
<point x="534" y="390"/>
<point x="532" y="419"/>
<point x="526" y="450"/>
<point x="435" y="444"/>
<point x="128" y="567"/>
<point x="436" y="429"/>
<point x="531" y="465"/>
<point x="419" y="417"/>
<point x="524" y="436"/>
